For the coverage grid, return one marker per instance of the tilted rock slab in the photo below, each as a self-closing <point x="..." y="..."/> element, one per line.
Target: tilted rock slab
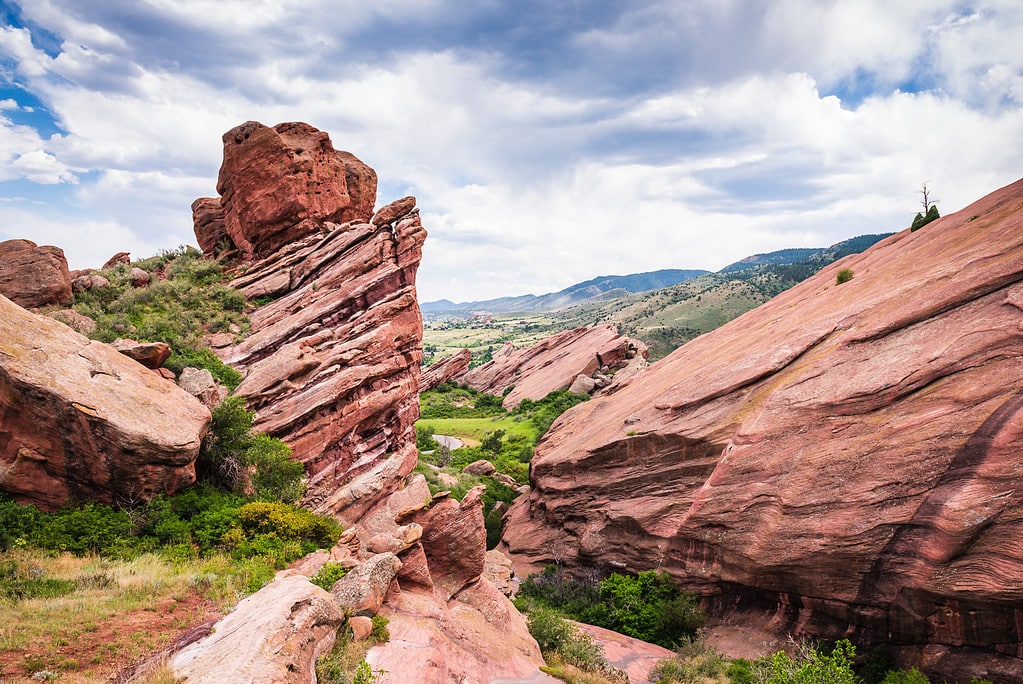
<point x="332" y="364"/>
<point x="78" y="420"/>
<point x="844" y="460"/>
<point x="271" y="637"/>
<point x="34" y="276"/>
<point x="445" y="370"/>
<point x="553" y="363"/>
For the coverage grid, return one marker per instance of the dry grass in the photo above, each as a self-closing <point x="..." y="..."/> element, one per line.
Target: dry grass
<point x="118" y="612"/>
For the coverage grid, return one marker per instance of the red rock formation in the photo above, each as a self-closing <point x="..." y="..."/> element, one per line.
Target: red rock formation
<point x="280" y="184"/>
<point x="332" y="364"/>
<point x="33" y="276"/>
<point x="445" y="370"/>
<point x="554" y="363"/>
<point x="78" y="420"/>
<point x="116" y="260"/>
<point x="149" y="354"/>
<point x="271" y="637"/>
<point x="208" y="223"/>
<point x="843" y="460"/>
<point x="455" y="540"/>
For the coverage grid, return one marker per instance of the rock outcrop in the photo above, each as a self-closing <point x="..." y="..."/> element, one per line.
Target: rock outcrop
<point x="271" y="637"/>
<point x="445" y="370"/>
<point x="280" y="184"/>
<point x="332" y="363"/>
<point x="32" y="276"/>
<point x="78" y="420"/>
<point x="556" y="362"/>
<point x="844" y="460"/>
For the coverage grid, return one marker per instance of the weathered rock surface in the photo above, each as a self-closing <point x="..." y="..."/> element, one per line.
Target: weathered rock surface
<point x="455" y="539"/>
<point x="445" y="370"/>
<point x="200" y="384"/>
<point x="634" y="657"/>
<point x="78" y="420"/>
<point x="332" y="364"/>
<point x="554" y="363"/>
<point x="89" y="281"/>
<point x="78" y="322"/>
<point x="843" y="460"/>
<point x="280" y="184"/>
<point x="139" y="278"/>
<point x="362" y="590"/>
<point x="273" y="636"/>
<point x="149" y="354"/>
<point x="209" y="226"/>
<point x="33" y="276"/>
<point x="116" y="260"/>
<point x="478" y="637"/>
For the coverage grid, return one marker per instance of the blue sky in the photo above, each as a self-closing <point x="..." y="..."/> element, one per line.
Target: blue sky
<point x="547" y="142"/>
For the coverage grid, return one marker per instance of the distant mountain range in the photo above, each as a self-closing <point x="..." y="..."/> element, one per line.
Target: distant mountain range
<point x="795" y="264"/>
<point x="596" y="289"/>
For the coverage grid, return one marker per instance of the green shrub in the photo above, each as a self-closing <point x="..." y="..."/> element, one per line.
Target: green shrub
<point x="696" y="662"/>
<point x="555" y="635"/>
<point x="288" y="523"/>
<point x="380" y="634"/>
<point x="844" y="276"/>
<point x="648" y="606"/>
<point x="913" y="676"/>
<point x="811" y="665"/>
<point x="233" y="448"/>
<point x="328" y="575"/>
<point x="276" y="476"/>
<point x="921" y="220"/>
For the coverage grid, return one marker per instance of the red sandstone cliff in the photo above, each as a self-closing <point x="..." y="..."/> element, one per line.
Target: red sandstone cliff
<point x="332" y="364"/>
<point x="844" y="460"/>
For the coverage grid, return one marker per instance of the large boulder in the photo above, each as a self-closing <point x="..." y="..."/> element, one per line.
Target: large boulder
<point x="332" y="363"/>
<point x="78" y="420"/>
<point x="34" y="276"/>
<point x="454" y="539"/>
<point x="555" y="363"/>
<point x="445" y="370"/>
<point x="842" y="461"/>
<point x="279" y="184"/>
<point x="271" y="637"/>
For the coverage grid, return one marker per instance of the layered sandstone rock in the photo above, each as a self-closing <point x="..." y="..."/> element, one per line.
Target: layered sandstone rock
<point x="445" y="370"/>
<point x="555" y="363"/>
<point x="332" y="364"/>
<point x="33" y="276"/>
<point x="447" y="623"/>
<point x="280" y="184"/>
<point x="78" y="420"/>
<point x="843" y="460"/>
<point x="271" y="637"/>
<point x="209" y="226"/>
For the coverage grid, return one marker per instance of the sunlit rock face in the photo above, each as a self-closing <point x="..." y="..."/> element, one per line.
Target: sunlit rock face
<point x="844" y="460"/>
<point x="332" y="364"/>
<point x="81" y="421"/>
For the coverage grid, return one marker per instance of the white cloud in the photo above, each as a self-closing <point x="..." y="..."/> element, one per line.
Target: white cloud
<point x="712" y="154"/>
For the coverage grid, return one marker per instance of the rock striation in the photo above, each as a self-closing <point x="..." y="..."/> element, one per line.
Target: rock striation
<point x="78" y="420"/>
<point x="445" y="370"/>
<point x="556" y="363"/>
<point x="843" y="460"/>
<point x="332" y="363"/>
<point x="32" y="276"/>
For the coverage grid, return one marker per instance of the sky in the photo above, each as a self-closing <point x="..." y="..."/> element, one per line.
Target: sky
<point x="547" y="141"/>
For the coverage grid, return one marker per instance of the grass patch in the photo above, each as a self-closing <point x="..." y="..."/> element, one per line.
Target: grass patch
<point x="346" y="662"/>
<point x="477" y="429"/>
<point x="116" y="612"/>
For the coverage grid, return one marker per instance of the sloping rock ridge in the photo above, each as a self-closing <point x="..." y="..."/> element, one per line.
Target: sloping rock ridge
<point x="556" y="362"/>
<point x="78" y="420"/>
<point x="843" y="460"/>
<point x="445" y="370"/>
<point x="332" y="364"/>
